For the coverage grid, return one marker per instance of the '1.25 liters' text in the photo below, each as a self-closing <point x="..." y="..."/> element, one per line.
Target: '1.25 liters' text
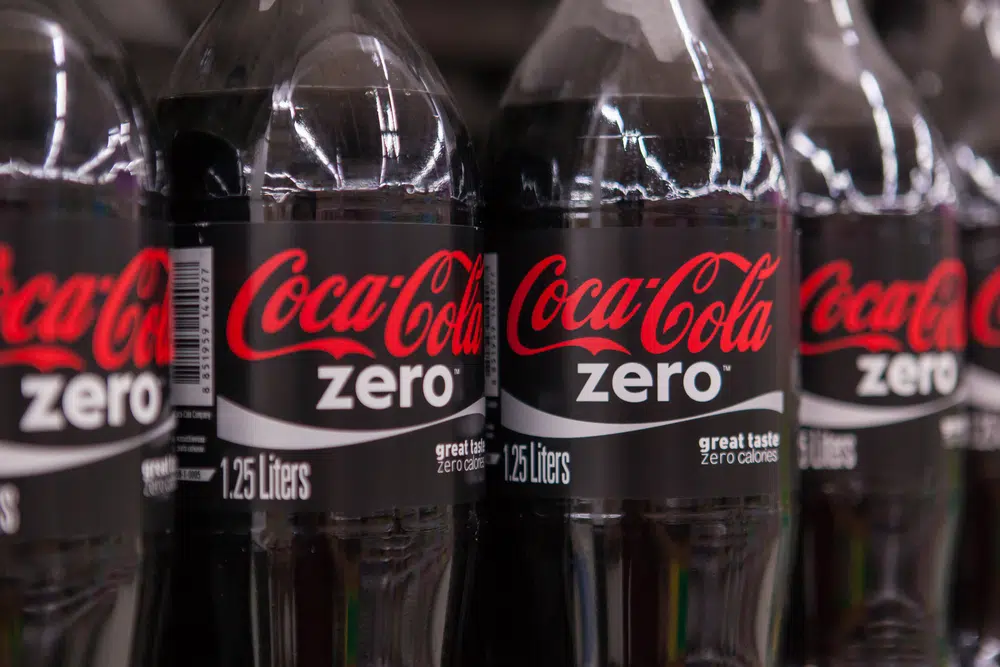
<point x="265" y="477"/>
<point x="534" y="463"/>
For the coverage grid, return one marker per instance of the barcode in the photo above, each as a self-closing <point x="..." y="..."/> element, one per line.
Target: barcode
<point x="492" y="322"/>
<point x="192" y="375"/>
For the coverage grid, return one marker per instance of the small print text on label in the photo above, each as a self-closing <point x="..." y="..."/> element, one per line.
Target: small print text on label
<point x="465" y="456"/>
<point x="739" y="449"/>
<point x="534" y="463"/>
<point x="265" y="477"/>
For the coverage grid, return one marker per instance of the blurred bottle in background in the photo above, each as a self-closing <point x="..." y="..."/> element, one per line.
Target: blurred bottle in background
<point x="951" y="50"/>
<point x="642" y="268"/>
<point x="946" y="48"/>
<point x="87" y="470"/>
<point x="152" y="32"/>
<point x="329" y="381"/>
<point x="883" y="335"/>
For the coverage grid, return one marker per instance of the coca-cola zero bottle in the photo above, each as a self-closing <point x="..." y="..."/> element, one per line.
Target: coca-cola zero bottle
<point x="883" y="336"/>
<point x="329" y="377"/>
<point x="640" y="289"/>
<point x="958" y="80"/>
<point x="87" y="470"/>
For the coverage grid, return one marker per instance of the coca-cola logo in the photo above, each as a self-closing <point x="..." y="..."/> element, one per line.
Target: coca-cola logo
<point x="919" y="315"/>
<point x="412" y="312"/>
<point x="44" y="320"/>
<point x="984" y="312"/>
<point x="589" y="313"/>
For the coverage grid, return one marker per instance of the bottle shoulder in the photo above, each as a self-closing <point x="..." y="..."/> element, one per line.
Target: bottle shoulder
<point x="715" y="156"/>
<point x="857" y="137"/>
<point x="321" y="142"/>
<point x="642" y="48"/>
<point x="976" y="162"/>
<point x="638" y="107"/>
<point x="73" y="126"/>
<point x="346" y="112"/>
<point x="876" y="162"/>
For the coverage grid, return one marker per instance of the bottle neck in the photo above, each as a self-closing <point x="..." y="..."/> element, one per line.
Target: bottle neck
<point x="835" y="37"/>
<point x="845" y="21"/>
<point x="281" y="13"/>
<point x="669" y="27"/>
<point x="677" y="7"/>
<point x="673" y="12"/>
<point x="75" y="19"/>
<point x="262" y="44"/>
<point x="60" y="10"/>
<point x="316" y="20"/>
<point x="289" y="9"/>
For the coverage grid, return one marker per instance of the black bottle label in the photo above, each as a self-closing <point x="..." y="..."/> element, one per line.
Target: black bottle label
<point x="85" y="348"/>
<point x="330" y="366"/>
<point x="641" y="363"/>
<point x="883" y="339"/>
<point x="981" y="250"/>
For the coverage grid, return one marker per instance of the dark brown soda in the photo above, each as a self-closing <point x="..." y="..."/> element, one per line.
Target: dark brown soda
<point x="74" y="145"/>
<point x="975" y="603"/>
<point x="876" y="547"/>
<point x="319" y="589"/>
<point x="633" y="582"/>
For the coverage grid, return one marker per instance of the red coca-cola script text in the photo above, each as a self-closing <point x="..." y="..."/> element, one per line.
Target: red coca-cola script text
<point x="588" y="314"/>
<point x="437" y="308"/>
<point x="877" y="316"/>
<point x="45" y="321"/>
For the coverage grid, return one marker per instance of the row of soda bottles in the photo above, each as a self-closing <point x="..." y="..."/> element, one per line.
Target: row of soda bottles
<point x="678" y="376"/>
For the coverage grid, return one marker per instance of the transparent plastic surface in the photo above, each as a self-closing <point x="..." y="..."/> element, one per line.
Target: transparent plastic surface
<point x="74" y="141"/>
<point x="958" y="80"/>
<point x="945" y="48"/>
<point x="861" y="148"/>
<point x="312" y="110"/>
<point x="632" y="114"/>
<point x="855" y="132"/>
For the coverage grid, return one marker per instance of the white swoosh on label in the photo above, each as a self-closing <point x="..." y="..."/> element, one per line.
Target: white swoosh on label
<point x="20" y="459"/>
<point x="239" y="425"/>
<point x="982" y="388"/>
<point x="821" y="412"/>
<point x="523" y="418"/>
